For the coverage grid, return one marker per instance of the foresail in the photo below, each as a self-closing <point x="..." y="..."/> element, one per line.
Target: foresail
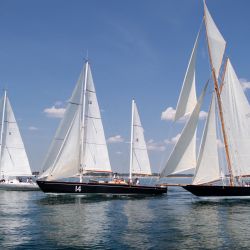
<point x="216" y="42"/>
<point x="14" y="160"/>
<point x="182" y="157"/>
<point x="95" y="156"/>
<point x="237" y="121"/>
<point x="67" y="161"/>
<point x="73" y="106"/>
<point x="208" y="168"/>
<point x="187" y="99"/>
<point x="140" y="159"/>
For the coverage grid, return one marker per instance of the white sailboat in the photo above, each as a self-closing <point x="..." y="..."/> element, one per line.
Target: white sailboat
<point x="14" y="163"/>
<point x="139" y="160"/>
<point x="215" y="177"/>
<point x="80" y="147"/>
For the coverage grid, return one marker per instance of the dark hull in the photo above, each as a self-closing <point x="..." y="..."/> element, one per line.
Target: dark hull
<point x="218" y="191"/>
<point x="99" y="188"/>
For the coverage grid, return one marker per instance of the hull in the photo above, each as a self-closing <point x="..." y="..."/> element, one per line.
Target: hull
<point x="218" y="191"/>
<point x="19" y="186"/>
<point x="99" y="188"/>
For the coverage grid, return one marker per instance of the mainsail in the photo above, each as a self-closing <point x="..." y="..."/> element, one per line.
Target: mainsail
<point x="79" y="144"/>
<point x="237" y="121"/>
<point x="208" y="168"/>
<point x="181" y="158"/>
<point x="139" y="160"/>
<point x="14" y="160"/>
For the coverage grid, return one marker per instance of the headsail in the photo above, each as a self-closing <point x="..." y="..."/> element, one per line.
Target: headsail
<point x="237" y="121"/>
<point x="187" y="99"/>
<point x="140" y="161"/>
<point x="216" y="42"/>
<point x="14" y="160"/>
<point x="208" y="169"/>
<point x="181" y="158"/>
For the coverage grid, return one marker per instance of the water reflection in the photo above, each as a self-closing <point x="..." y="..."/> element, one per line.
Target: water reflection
<point x="15" y="218"/>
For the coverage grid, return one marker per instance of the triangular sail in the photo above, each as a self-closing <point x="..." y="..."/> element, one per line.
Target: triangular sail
<point x="74" y="104"/>
<point x="208" y="169"/>
<point x="14" y="160"/>
<point x="95" y="152"/>
<point x="237" y="121"/>
<point x="181" y="158"/>
<point x="216" y="42"/>
<point x="68" y="159"/>
<point x="140" y="159"/>
<point x="187" y="99"/>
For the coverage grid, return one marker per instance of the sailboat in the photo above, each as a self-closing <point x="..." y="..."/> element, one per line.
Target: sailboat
<point x="219" y="172"/>
<point x="14" y="163"/>
<point x="79" y="147"/>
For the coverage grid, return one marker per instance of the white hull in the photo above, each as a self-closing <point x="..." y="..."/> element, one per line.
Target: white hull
<point x="21" y="186"/>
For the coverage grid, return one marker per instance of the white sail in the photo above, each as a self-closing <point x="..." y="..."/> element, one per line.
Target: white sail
<point x="95" y="156"/>
<point x="181" y="158"/>
<point x="216" y="42"/>
<point x="237" y="121"/>
<point x="14" y="160"/>
<point x="67" y="161"/>
<point x="208" y="169"/>
<point x="140" y="160"/>
<point x="187" y="99"/>
<point x="74" y="104"/>
<point x="79" y="141"/>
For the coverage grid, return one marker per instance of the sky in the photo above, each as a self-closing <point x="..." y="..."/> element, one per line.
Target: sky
<point x="137" y="49"/>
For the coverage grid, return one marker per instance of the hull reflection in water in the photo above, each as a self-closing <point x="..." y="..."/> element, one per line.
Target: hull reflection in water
<point x="99" y="188"/>
<point x="219" y="191"/>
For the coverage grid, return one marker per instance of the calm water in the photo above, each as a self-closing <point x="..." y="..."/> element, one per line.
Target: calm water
<point x="33" y="220"/>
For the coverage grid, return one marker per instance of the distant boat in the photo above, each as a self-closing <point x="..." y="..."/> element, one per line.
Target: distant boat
<point x="14" y="163"/>
<point x="79" y="147"/>
<point x="219" y="172"/>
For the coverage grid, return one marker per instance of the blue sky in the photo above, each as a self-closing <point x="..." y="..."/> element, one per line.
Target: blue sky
<point x="136" y="48"/>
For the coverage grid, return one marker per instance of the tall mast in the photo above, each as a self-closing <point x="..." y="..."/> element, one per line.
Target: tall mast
<point x="1" y="135"/>
<point x="84" y="88"/>
<point x="217" y="91"/>
<point x="131" y="141"/>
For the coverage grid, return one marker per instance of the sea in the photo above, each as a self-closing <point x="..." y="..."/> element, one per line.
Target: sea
<point x="178" y="220"/>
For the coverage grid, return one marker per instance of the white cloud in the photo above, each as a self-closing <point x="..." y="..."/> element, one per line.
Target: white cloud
<point x="173" y="140"/>
<point x="169" y="114"/>
<point x="115" y="139"/>
<point x="118" y="152"/>
<point x="245" y="84"/>
<point x="202" y="115"/>
<point x="54" y="112"/>
<point x="32" y="128"/>
<point x="155" y="146"/>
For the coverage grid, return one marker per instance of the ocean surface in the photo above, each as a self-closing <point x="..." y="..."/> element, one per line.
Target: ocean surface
<point x="178" y="220"/>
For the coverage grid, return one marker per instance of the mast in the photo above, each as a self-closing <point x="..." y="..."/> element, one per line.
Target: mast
<point x="217" y="91"/>
<point x="1" y="135"/>
<point x="131" y="141"/>
<point x="84" y="88"/>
